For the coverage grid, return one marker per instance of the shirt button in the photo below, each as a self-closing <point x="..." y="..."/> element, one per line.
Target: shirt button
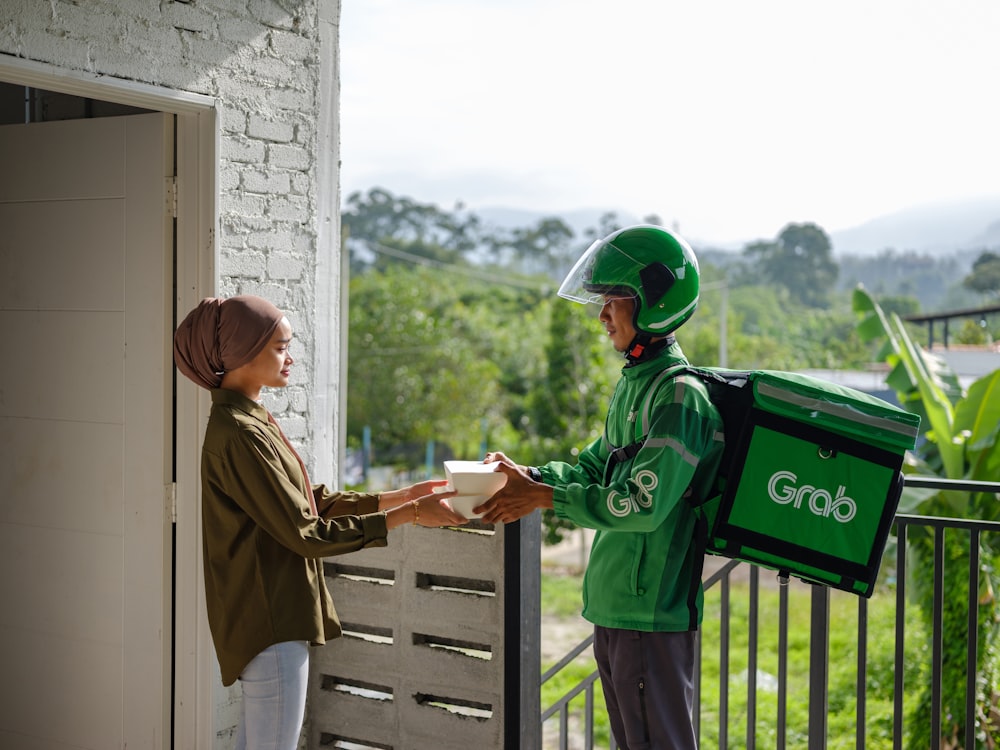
<point x="642" y="592"/>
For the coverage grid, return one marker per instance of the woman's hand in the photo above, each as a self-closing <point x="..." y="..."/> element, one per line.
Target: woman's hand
<point x="432" y="510"/>
<point x="428" y="510"/>
<point x="421" y="489"/>
<point x="393" y="498"/>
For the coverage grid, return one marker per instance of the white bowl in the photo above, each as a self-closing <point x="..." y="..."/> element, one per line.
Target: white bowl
<point x="474" y="477"/>
<point x="463" y="504"/>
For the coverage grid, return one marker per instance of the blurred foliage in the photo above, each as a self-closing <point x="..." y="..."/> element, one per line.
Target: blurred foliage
<point x="985" y="276"/>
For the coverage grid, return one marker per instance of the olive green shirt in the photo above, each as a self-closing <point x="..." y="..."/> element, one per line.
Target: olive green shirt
<point x="263" y="544"/>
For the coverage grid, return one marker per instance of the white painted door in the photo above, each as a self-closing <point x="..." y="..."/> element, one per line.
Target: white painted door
<point x="85" y="433"/>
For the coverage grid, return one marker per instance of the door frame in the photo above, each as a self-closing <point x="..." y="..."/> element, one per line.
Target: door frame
<point x="196" y="276"/>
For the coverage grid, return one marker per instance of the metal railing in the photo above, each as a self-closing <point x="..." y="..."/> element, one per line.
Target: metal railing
<point x="816" y="733"/>
<point x="562" y="706"/>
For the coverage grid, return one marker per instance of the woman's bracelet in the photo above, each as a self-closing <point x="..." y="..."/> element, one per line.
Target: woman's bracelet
<point x="416" y="511"/>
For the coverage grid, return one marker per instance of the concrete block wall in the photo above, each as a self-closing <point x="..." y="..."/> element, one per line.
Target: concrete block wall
<point x="423" y="664"/>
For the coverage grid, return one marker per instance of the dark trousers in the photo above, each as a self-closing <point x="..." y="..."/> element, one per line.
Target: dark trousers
<point x="648" y="682"/>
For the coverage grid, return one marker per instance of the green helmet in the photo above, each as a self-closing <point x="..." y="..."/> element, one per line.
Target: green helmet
<point x="647" y="262"/>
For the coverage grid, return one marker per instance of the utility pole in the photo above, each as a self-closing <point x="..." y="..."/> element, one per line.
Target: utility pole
<point x="723" y="286"/>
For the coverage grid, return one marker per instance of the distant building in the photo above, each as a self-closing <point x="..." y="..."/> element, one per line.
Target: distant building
<point x="867" y="381"/>
<point x="969" y="362"/>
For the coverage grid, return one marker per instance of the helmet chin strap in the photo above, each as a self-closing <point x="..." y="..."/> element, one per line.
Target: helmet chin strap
<point x="638" y="346"/>
<point x="644" y="346"/>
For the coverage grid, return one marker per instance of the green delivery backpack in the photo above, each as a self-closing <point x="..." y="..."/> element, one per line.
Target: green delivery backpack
<point x="810" y="476"/>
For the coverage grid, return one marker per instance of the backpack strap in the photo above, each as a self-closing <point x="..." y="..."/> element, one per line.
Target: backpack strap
<point x="627" y="452"/>
<point x="647" y="403"/>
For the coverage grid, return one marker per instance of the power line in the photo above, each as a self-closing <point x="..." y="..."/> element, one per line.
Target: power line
<point x="452" y="267"/>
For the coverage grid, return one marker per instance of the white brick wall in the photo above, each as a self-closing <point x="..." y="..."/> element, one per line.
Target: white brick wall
<point x="262" y="62"/>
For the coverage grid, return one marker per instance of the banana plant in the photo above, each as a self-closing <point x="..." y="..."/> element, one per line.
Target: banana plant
<point x="963" y="435"/>
<point x="962" y="441"/>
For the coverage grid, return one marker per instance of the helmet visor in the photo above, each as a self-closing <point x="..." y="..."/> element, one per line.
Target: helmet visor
<point x="600" y="272"/>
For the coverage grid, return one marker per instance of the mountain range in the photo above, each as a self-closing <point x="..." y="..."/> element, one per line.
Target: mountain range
<point x="936" y="228"/>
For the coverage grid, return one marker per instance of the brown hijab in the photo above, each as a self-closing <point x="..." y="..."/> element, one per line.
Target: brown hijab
<point x="220" y="335"/>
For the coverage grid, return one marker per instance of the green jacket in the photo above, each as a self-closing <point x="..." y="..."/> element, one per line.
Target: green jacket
<point x="263" y="544"/>
<point x="645" y="563"/>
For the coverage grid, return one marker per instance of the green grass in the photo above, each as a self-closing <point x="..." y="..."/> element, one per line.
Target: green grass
<point x="561" y="595"/>
<point x="560" y="598"/>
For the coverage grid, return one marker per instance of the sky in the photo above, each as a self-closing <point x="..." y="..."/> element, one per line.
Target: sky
<point x="728" y="119"/>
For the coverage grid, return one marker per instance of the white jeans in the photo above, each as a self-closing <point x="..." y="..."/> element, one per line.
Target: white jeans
<point x="274" y="698"/>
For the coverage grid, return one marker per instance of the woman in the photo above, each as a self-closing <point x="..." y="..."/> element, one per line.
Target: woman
<point x="265" y="527"/>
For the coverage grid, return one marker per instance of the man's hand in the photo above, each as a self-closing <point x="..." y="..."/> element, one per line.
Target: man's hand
<point x="497" y="456"/>
<point x="516" y="499"/>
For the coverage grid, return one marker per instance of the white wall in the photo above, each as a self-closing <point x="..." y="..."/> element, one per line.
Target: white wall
<point x="271" y="68"/>
<point x="271" y="76"/>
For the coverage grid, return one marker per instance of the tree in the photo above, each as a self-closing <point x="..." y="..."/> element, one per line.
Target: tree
<point x="542" y="248"/>
<point x="799" y="260"/>
<point x="419" y="368"/>
<point x="925" y="277"/>
<point x="985" y="276"/>
<point x="379" y="219"/>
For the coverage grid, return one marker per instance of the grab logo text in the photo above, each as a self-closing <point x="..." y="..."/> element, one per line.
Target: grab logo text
<point x="621" y="505"/>
<point x="783" y="489"/>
